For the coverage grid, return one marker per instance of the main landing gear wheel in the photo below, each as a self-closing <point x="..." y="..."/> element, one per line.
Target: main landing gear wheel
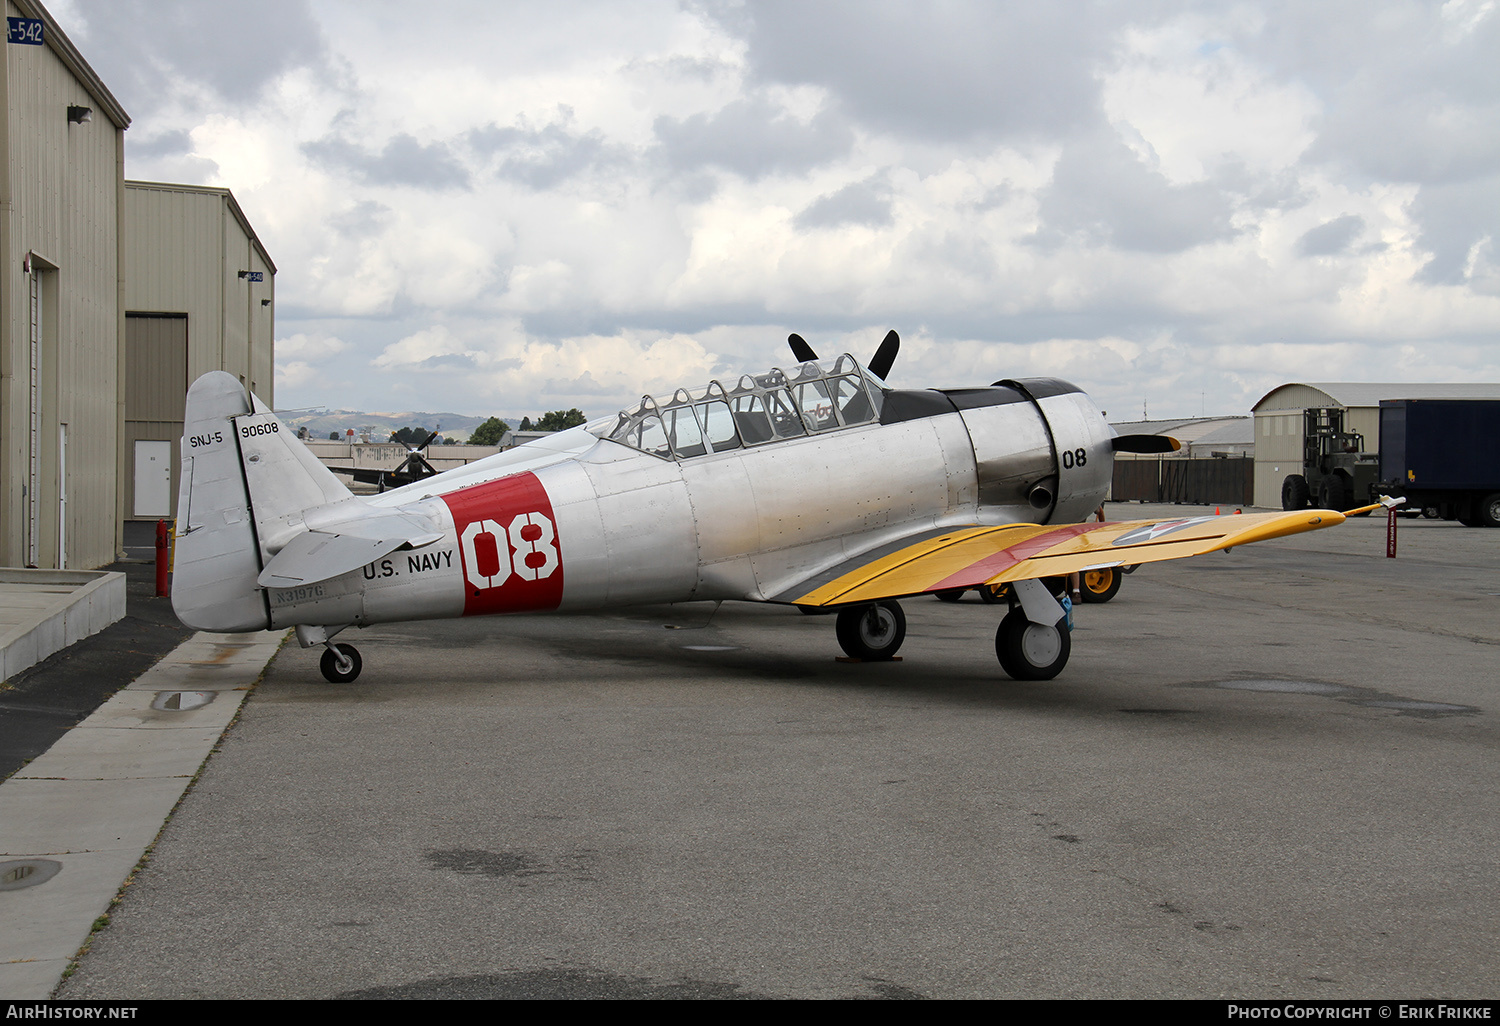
<point x="872" y="633"/>
<point x="1032" y="651"/>
<point x="340" y="663"/>
<point x="1100" y="585"/>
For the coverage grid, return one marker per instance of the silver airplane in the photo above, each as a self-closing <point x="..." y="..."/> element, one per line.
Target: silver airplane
<point x="816" y="486"/>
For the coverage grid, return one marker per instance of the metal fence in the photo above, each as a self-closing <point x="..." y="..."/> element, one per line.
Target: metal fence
<point x="1204" y="481"/>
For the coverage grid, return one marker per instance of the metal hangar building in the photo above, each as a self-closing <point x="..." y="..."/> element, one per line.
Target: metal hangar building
<point x="111" y="296"/>
<point x="1280" y="420"/>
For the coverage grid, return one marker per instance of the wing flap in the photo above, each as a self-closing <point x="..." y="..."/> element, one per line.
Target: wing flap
<point x="969" y="557"/>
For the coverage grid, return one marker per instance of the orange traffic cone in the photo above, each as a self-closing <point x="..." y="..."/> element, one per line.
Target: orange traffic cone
<point x="1218" y="511"/>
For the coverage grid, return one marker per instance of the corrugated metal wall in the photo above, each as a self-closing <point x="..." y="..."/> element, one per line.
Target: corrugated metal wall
<point x="64" y="179"/>
<point x="1204" y="481"/>
<point x="185" y="247"/>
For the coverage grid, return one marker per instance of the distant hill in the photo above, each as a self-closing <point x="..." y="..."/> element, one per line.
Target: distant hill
<point x="380" y="425"/>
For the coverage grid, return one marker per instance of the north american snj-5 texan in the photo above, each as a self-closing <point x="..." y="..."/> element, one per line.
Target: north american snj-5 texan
<point x="815" y="486"/>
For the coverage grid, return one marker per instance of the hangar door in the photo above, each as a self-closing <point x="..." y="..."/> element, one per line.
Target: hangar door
<point x="155" y="395"/>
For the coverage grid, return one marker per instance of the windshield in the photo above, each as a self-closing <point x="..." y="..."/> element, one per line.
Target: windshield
<point x="817" y="397"/>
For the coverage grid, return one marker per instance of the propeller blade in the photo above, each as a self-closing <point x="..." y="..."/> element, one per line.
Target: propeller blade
<point x="880" y="366"/>
<point x="800" y="349"/>
<point x="430" y="437"/>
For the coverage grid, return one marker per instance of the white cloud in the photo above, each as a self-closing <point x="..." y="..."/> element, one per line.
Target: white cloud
<point x="1186" y="101"/>
<point x="421" y="347"/>
<point x="580" y="202"/>
<point x="315" y="347"/>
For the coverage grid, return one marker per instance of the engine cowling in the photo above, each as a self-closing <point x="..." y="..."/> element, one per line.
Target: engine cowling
<point x="1042" y="449"/>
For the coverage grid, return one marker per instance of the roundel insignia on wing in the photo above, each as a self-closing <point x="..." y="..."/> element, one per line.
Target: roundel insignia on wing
<point x="1151" y="532"/>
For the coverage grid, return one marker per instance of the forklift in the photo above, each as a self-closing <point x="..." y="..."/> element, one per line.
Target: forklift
<point x="1337" y="472"/>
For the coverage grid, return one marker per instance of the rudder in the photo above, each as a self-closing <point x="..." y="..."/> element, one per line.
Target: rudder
<point x="245" y="484"/>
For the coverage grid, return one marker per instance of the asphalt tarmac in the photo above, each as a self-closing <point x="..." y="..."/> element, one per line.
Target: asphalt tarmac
<point x="1264" y="774"/>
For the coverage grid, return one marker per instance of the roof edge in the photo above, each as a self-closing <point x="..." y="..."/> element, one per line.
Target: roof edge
<point x="1338" y="391"/>
<point x="222" y="193"/>
<point x="58" y="42"/>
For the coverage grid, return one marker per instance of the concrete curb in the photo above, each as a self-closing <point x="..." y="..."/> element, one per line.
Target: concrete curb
<point x="87" y="809"/>
<point x="53" y="609"/>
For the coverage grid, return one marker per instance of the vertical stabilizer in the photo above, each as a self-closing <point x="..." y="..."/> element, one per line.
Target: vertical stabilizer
<point x="284" y="478"/>
<point x="217" y="557"/>
<point x="246" y="483"/>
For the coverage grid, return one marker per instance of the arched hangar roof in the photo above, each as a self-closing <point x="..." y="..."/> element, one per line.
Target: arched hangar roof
<point x="1297" y="395"/>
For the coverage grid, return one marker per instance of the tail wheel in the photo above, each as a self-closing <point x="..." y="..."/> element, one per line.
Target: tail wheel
<point x="872" y="633"/>
<point x="1100" y="585"/>
<point x="1032" y="651"/>
<point x="340" y="663"/>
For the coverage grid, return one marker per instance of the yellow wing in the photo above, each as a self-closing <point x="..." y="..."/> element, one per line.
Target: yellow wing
<point x="970" y="556"/>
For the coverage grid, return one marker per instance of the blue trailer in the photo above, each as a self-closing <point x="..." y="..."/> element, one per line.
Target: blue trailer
<point x="1443" y="454"/>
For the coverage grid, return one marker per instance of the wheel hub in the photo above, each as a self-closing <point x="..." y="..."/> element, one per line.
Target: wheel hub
<point x="1040" y="644"/>
<point x="877" y="627"/>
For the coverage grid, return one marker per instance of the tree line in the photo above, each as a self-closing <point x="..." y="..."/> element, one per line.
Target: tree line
<point x="492" y="430"/>
<point x="488" y="433"/>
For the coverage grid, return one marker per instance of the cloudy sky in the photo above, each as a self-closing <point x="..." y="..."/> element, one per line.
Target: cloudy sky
<point x="514" y="207"/>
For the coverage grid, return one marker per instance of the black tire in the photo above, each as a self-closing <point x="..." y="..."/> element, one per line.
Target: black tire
<point x="1032" y="651"/>
<point x="1294" y="492"/>
<point x="872" y="633"/>
<point x="950" y="594"/>
<point x="330" y="664"/>
<point x="991" y="595"/>
<point x="1334" y="494"/>
<point x="1430" y="513"/>
<point x="1100" y="585"/>
<point x="1489" y="510"/>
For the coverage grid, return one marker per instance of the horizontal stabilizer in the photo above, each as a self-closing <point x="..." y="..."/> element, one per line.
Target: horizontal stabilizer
<point x="336" y="549"/>
<point x="1145" y="443"/>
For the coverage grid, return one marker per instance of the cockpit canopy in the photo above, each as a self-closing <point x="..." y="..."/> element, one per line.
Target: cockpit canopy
<point x="760" y="409"/>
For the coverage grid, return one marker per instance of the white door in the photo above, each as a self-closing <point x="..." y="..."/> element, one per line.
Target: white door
<point x="153" y="479"/>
